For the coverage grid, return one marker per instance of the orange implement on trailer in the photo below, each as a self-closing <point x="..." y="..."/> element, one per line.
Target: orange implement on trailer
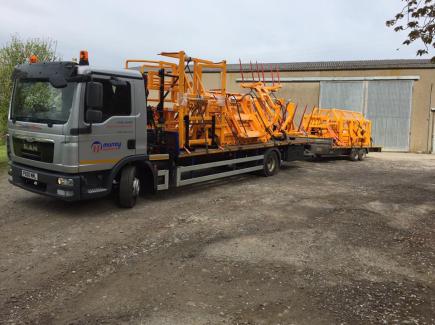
<point x="205" y="117"/>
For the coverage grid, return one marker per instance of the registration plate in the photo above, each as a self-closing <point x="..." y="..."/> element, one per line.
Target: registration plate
<point x="29" y="175"/>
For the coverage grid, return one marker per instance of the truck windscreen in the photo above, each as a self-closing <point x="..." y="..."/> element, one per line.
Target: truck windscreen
<point x="38" y="101"/>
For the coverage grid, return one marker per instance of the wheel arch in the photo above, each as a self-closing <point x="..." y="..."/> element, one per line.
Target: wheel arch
<point x="276" y="150"/>
<point x="146" y="170"/>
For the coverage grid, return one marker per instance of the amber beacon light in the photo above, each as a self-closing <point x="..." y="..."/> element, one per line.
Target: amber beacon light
<point x="33" y="59"/>
<point x="84" y="58"/>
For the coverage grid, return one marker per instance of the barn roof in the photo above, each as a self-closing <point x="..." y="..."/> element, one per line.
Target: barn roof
<point x="341" y="65"/>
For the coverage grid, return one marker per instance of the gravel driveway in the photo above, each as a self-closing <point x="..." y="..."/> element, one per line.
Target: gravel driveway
<point x="322" y="242"/>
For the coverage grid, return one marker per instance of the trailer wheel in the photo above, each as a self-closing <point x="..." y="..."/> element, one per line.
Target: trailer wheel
<point x="353" y="156"/>
<point x="271" y="163"/>
<point x="362" y="154"/>
<point x="129" y="187"/>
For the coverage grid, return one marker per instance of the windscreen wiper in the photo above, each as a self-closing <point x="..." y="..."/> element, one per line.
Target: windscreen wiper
<point x="49" y="122"/>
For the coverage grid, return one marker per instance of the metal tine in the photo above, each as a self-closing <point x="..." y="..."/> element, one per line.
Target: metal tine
<point x="271" y="72"/>
<point x="252" y="71"/>
<point x="292" y="124"/>
<point x="277" y="72"/>
<point x="241" y="70"/>
<point x="262" y="71"/>
<point x="302" y="118"/>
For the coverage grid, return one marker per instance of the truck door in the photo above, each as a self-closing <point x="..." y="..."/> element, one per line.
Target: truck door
<point x="114" y="138"/>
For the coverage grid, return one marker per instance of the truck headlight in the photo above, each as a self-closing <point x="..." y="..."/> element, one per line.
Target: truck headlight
<point x="65" y="181"/>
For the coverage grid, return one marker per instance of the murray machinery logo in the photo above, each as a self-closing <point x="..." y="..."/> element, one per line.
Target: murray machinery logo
<point x="98" y="146"/>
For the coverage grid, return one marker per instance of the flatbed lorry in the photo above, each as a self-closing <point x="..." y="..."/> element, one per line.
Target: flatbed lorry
<point x="77" y="133"/>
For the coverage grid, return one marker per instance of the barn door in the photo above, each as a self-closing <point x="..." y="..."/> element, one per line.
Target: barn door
<point x="347" y="95"/>
<point x="389" y="109"/>
<point x="387" y="103"/>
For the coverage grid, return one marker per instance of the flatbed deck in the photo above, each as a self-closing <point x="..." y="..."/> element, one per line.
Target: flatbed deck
<point x="308" y="141"/>
<point x="262" y="145"/>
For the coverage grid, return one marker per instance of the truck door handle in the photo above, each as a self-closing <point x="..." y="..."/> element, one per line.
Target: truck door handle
<point x="131" y="144"/>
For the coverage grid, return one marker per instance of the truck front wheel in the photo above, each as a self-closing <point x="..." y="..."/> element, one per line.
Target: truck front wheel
<point x="129" y="187"/>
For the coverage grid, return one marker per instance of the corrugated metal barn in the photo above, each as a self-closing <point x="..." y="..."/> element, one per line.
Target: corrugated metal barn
<point x="397" y="95"/>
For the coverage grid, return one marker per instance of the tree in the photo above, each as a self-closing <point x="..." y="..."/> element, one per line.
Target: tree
<point x="17" y="51"/>
<point x="417" y="17"/>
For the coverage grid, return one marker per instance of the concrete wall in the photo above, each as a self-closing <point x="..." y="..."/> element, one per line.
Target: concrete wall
<point x="307" y="93"/>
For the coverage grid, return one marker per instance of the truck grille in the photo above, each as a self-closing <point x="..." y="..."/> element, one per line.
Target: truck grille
<point x="34" y="150"/>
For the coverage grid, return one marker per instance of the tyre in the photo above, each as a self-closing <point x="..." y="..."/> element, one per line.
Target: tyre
<point x="129" y="187"/>
<point x="362" y="154"/>
<point x="270" y="163"/>
<point x="353" y="156"/>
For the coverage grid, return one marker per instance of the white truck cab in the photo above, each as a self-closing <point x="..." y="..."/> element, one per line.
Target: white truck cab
<point x="72" y="128"/>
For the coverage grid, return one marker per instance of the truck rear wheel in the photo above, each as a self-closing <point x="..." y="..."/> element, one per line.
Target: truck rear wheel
<point x="353" y="156"/>
<point x="362" y="154"/>
<point x="129" y="187"/>
<point x="270" y="163"/>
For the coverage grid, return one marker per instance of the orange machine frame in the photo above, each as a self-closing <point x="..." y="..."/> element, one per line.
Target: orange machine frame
<point x="180" y="102"/>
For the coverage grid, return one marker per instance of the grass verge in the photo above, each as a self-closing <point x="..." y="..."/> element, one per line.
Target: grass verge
<point x="3" y="156"/>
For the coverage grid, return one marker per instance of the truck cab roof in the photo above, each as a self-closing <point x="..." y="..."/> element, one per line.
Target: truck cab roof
<point x="67" y="69"/>
<point x="123" y="73"/>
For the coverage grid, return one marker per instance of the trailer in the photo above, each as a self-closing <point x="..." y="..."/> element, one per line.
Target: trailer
<point x="78" y="133"/>
<point x="348" y="132"/>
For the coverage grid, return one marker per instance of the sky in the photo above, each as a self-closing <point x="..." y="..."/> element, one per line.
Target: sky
<point x="263" y="31"/>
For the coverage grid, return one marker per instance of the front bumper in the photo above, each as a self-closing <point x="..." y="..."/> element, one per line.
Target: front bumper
<point x="46" y="184"/>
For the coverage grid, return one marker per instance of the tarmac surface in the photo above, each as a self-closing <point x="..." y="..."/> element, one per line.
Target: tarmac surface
<point x="322" y="242"/>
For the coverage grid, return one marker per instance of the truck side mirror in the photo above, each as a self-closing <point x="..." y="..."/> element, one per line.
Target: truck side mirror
<point x="94" y="116"/>
<point x="94" y="95"/>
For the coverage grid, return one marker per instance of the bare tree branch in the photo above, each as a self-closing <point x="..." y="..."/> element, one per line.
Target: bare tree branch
<point x="417" y="17"/>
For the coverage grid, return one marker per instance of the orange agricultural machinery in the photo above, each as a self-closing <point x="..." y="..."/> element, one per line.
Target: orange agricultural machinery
<point x="345" y="128"/>
<point x="180" y="102"/>
<point x="207" y="117"/>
